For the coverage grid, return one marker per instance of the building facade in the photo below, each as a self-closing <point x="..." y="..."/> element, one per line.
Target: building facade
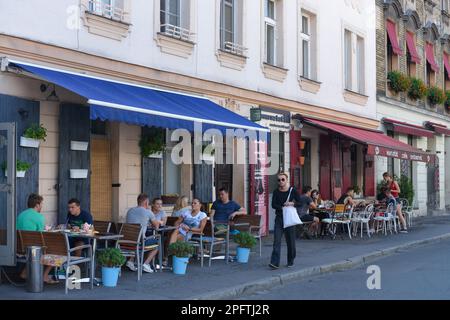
<point x="412" y="41"/>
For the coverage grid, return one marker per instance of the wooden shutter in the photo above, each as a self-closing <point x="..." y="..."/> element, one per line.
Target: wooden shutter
<point x="369" y="176"/>
<point x="203" y="182"/>
<point x="295" y="153"/>
<point x="24" y="113"/>
<point x="346" y="165"/>
<point x="75" y="125"/>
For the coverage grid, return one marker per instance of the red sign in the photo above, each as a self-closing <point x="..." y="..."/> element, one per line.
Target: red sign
<point x="404" y="155"/>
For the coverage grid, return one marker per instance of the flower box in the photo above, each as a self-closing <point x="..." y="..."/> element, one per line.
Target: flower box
<point x="78" y="173"/>
<point x="79" y="145"/>
<point x="157" y="155"/>
<point x="19" y="174"/>
<point x="169" y="199"/>
<point x="29" y="143"/>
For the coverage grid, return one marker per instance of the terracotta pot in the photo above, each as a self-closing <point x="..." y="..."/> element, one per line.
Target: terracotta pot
<point x="301" y="144"/>
<point x="301" y="160"/>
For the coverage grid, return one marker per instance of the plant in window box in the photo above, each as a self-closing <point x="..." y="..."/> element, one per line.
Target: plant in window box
<point x="417" y="90"/>
<point x="398" y="82"/>
<point x="153" y="144"/>
<point x="435" y="95"/>
<point x="21" y="168"/>
<point x="170" y="198"/>
<point x="33" y="135"/>
<point x="245" y="242"/>
<point x="181" y="251"/>
<point x="447" y="100"/>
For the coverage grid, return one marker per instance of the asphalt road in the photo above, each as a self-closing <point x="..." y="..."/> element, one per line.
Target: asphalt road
<point x="419" y="273"/>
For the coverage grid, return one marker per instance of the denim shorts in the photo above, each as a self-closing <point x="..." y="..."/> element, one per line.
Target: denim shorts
<point x="151" y="241"/>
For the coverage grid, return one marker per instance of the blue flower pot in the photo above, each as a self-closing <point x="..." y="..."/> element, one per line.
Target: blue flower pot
<point x="180" y="265"/>
<point x="243" y="254"/>
<point x="110" y="276"/>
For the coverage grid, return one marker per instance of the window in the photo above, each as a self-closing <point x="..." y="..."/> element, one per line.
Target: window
<point x="174" y="18"/>
<point x="390" y="161"/>
<point x="273" y="179"/>
<point x="445" y="5"/>
<point x="354" y="62"/>
<point x="113" y="9"/>
<point x="231" y="26"/>
<point x="306" y="46"/>
<point x="273" y="33"/>
<point x="170" y="13"/>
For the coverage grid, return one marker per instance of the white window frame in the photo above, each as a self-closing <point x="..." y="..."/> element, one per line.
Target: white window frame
<point x="306" y="37"/>
<point x="360" y="64"/>
<point x="348" y="68"/>
<point x="445" y="5"/>
<point x="168" y="14"/>
<point x="223" y="4"/>
<point x="107" y="8"/>
<point x="355" y="68"/>
<point x="273" y="23"/>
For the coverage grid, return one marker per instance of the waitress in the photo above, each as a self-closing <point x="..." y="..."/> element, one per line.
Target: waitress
<point x="392" y="185"/>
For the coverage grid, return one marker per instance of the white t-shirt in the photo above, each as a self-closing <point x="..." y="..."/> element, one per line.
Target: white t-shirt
<point x="191" y="221"/>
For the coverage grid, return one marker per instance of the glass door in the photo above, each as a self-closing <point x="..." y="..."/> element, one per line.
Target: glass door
<point x="7" y="194"/>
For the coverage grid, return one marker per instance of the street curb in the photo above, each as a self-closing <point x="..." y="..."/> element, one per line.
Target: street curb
<point x="279" y="280"/>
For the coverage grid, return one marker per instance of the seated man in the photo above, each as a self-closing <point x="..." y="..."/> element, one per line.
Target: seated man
<point x="303" y="205"/>
<point x="76" y="218"/>
<point x="347" y="198"/>
<point x="143" y="216"/>
<point x="224" y="210"/>
<point x="32" y="220"/>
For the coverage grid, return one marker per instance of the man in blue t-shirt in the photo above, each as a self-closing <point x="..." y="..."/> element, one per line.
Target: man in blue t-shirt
<point x="75" y="220"/>
<point x="224" y="210"/>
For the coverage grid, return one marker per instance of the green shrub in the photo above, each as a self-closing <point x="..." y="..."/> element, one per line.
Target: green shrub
<point x="36" y="131"/>
<point x="20" y="166"/>
<point x="417" y="89"/>
<point x="245" y="240"/>
<point x="398" y="82"/>
<point x="181" y="249"/>
<point x="152" y="142"/>
<point x="111" y="258"/>
<point x="407" y="189"/>
<point x="357" y="189"/>
<point x="436" y="95"/>
<point x="447" y="99"/>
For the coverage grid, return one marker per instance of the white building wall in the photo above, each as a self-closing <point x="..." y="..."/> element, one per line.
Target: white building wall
<point x="140" y="47"/>
<point x="421" y="191"/>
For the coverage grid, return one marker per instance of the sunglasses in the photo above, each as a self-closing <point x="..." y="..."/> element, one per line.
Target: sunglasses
<point x="280" y="180"/>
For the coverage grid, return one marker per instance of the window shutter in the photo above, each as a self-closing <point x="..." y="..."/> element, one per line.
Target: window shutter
<point x="279" y="33"/>
<point x="239" y="27"/>
<point x="185" y="14"/>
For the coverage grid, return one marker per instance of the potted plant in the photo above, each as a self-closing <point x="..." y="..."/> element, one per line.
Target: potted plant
<point x="447" y="100"/>
<point x="245" y="242"/>
<point x="152" y="145"/>
<point x="110" y="259"/>
<point x="435" y="95"/>
<point x="21" y="168"/>
<point x="170" y="198"/>
<point x="33" y="135"/>
<point x="301" y="160"/>
<point x="417" y="89"/>
<point x="181" y="252"/>
<point x="357" y="190"/>
<point x="398" y="82"/>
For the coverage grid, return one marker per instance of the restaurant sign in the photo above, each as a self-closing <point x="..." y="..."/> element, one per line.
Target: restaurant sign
<point x="275" y="119"/>
<point x="404" y="155"/>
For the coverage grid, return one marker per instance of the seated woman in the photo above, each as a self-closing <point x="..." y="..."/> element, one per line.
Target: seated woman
<point x="181" y="206"/>
<point x="191" y="221"/>
<point x="347" y="199"/>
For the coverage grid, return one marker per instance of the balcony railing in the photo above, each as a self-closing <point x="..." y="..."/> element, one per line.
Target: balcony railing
<point x="100" y="8"/>
<point x="177" y="32"/>
<point x="234" y="48"/>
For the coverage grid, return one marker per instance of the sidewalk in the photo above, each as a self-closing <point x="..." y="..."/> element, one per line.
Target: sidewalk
<point x="222" y="281"/>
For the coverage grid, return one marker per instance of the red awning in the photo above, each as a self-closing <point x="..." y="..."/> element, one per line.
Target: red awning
<point x="391" y="30"/>
<point x="407" y="128"/>
<point x="377" y="142"/>
<point x="447" y="64"/>
<point x="411" y="44"/>
<point x="438" y="128"/>
<point x="430" y="57"/>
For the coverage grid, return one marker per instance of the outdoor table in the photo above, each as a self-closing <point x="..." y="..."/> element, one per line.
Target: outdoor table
<point x="94" y="237"/>
<point x="162" y="231"/>
<point x="229" y="224"/>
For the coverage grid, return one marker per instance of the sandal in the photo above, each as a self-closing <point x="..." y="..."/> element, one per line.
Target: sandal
<point x="51" y="281"/>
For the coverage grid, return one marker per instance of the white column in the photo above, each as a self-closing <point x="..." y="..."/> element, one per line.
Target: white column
<point x="420" y="188"/>
<point x="440" y="150"/>
<point x="447" y="172"/>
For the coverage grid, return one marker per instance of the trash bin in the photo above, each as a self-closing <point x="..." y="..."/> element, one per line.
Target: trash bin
<point x="35" y="281"/>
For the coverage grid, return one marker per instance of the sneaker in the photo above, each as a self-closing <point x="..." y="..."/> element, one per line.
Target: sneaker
<point x="404" y="231"/>
<point x="290" y="265"/>
<point x="146" y="267"/>
<point x="273" y="267"/>
<point x="131" y="266"/>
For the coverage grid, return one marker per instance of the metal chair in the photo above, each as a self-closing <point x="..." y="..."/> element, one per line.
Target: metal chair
<point x="387" y="219"/>
<point x="58" y="253"/>
<point x="407" y="211"/>
<point x="339" y="217"/>
<point x="251" y="224"/>
<point x="133" y="244"/>
<point x="207" y="238"/>
<point x="102" y="226"/>
<point x="361" y="219"/>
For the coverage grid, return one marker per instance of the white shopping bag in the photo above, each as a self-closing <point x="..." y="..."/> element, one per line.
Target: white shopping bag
<point x="290" y="215"/>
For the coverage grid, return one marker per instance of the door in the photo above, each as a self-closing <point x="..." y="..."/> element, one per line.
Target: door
<point x="101" y="179"/>
<point x="203" y="182"/>
<point x="433" y="185"/>
<point x="224" y="178"/>
<point x="325" y="167"/>
<point x="7" y="195"/>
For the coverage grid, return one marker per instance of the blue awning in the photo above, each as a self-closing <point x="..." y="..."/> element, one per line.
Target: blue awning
<point x="140" y="105"/>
